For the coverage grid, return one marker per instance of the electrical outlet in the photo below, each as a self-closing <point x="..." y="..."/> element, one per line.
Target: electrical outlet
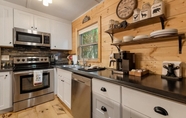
<point x="4" y="57"/>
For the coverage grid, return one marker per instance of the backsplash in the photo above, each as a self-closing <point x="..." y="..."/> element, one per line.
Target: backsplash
<point x="32" y="51"/>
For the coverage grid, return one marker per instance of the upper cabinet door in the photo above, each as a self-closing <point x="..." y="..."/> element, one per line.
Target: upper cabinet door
<point x="6" y="26"/>
<point x="23" y="20"/>
<point x="41" y="24"/>
<point x="61" y="35"/>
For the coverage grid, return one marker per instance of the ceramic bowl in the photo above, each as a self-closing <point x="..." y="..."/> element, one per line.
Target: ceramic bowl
<point x="127" y="38"/>
<point x="116" y="40"/>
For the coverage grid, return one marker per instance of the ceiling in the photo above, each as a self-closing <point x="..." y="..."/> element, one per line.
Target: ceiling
<point x="65" y="9"/>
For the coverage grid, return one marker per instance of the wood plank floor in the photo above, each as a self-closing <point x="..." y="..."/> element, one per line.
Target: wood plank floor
<point x="52" y="109"/>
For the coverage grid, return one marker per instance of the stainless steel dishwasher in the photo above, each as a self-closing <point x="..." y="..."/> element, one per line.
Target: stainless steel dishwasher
<point x="81" y="96"/>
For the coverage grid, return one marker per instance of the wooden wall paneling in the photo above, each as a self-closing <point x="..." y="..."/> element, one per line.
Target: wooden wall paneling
<point x="175" y="7"/>
<point x="149" y="55"/>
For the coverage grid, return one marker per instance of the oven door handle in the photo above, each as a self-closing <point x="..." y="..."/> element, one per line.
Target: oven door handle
<point x="45" y="72"/>
<point x="28" y="72"/>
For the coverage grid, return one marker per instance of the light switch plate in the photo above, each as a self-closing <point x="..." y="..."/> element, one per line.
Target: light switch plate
<point x="4" y="57"/>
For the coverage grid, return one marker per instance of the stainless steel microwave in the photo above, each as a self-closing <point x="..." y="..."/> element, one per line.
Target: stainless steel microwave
<point x="31" y="38"/>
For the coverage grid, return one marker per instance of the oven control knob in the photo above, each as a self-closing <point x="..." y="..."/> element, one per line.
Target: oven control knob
<point x="46" y="59"/>
<point x="41" y="59"/>
<point x="18" y="60"/>
<point x="23" y="60"/>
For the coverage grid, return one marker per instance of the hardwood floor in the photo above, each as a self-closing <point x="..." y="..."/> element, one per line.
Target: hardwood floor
<point x="52" y="109"/>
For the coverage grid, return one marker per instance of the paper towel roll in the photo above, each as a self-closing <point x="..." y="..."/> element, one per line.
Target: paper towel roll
<point x="74" y="59"/>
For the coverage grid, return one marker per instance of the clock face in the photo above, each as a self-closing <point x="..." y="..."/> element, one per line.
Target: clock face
<point x="125" y="8"/>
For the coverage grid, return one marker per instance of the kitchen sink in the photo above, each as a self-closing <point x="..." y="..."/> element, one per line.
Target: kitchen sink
<point x="72" y="66"/>
<point x="91" y="70"/>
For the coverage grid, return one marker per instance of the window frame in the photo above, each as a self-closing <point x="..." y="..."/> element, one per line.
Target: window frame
<point x="98" y="22"/>
<point x="80" y="46"/>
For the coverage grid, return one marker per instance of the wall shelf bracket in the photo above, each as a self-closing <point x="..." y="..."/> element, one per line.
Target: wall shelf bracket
<point x="111" y="36"/>
<point x="162" y="22"/>
<point x="180" y="43"/>
<point x="118" y="47"/>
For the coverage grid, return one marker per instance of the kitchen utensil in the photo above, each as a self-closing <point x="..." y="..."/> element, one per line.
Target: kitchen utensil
<point x="172" y="70"/>
<point x="112" y="60"/>
<point x="74" y="59"/>
<point x="136" y="15"/>
<point x="163" y="31"/>
<point x="141" y="37"/>
<point x="123" y="24"/>
<point x="117" y="40"/>
<point x="157" y="8"/>
<point x="127" y="38"/>
<point x="162" y="35"/>
<point x="111" y="24"/>
<point x="116" y="24"/>
<point x="145" y="11"/>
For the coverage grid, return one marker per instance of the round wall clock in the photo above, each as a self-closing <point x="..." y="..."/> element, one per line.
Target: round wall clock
<point x="125" y="8"/>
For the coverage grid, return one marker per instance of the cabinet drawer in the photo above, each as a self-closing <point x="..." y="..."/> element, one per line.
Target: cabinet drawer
<point x="66" y="74"/>
<point x="129" y="113"/>
<point x="107" y="89"/>
<point x="94" y="115"/>
<point x="105" y="108"/>
<point x="145" y="104"/>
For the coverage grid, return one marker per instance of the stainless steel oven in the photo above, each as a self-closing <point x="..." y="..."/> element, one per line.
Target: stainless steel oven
<point x="31" y="37"/>
<point x="25" y="93"/>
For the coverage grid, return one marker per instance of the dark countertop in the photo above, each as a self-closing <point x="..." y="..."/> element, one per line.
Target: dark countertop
<point x="153" y="84"/>
<point x="6" y="69"/>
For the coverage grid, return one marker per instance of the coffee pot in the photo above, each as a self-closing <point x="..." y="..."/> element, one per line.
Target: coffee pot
<point x="125" y="61"/>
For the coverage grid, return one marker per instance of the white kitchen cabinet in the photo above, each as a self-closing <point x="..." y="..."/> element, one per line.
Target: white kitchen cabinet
<point x="64" y="86"/>
<point x="61" y="35"/>
<point x="60" y="89"/>
<point x="42" y="24"/>
<point x="129" y="113"/>
<point x="105" y="105"/>
<point x="144" y="103"/>
<point x="5" y="90"/>
<point x="6" y="26"/>
<point x="30" y="21"/>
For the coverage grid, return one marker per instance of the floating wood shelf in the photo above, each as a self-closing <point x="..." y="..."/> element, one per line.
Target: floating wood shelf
<point x="178" y="37"/>
<point x="156" y="19"/>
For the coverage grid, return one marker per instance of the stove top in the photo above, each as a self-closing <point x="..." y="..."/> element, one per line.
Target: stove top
<point x="30" y="63"/>
<point x="25" y="60"/>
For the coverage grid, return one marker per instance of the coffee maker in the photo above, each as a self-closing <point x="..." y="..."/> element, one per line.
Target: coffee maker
<point x="125" y="61"/>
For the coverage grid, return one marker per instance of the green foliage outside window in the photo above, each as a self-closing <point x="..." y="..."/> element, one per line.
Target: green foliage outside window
<point x="89" y="44"/>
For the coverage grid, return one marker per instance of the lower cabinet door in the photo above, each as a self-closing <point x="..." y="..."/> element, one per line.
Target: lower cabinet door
<point x="129" y="113"/>
<point x="67" y="94"/>
<point x="126" y="112"/>
<point x="94" y="115"/>
<point x="60" y="89"/>
<point x="5" y="90"/>
<point x="135" y="114"/>
<point x="105" y="108"/>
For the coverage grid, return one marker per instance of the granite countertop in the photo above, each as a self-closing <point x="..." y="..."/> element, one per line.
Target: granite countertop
<point x="153" y="84"/>
<point x="6" y="69"/>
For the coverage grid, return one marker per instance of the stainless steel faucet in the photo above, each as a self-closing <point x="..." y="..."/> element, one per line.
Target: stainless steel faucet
<point x="84" y="62"/>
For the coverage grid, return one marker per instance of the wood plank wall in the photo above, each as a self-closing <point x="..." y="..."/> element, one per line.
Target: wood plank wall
<point x="149" y="56"/>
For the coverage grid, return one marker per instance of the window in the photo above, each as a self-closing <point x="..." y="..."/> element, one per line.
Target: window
<point x="88" y="42"/>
